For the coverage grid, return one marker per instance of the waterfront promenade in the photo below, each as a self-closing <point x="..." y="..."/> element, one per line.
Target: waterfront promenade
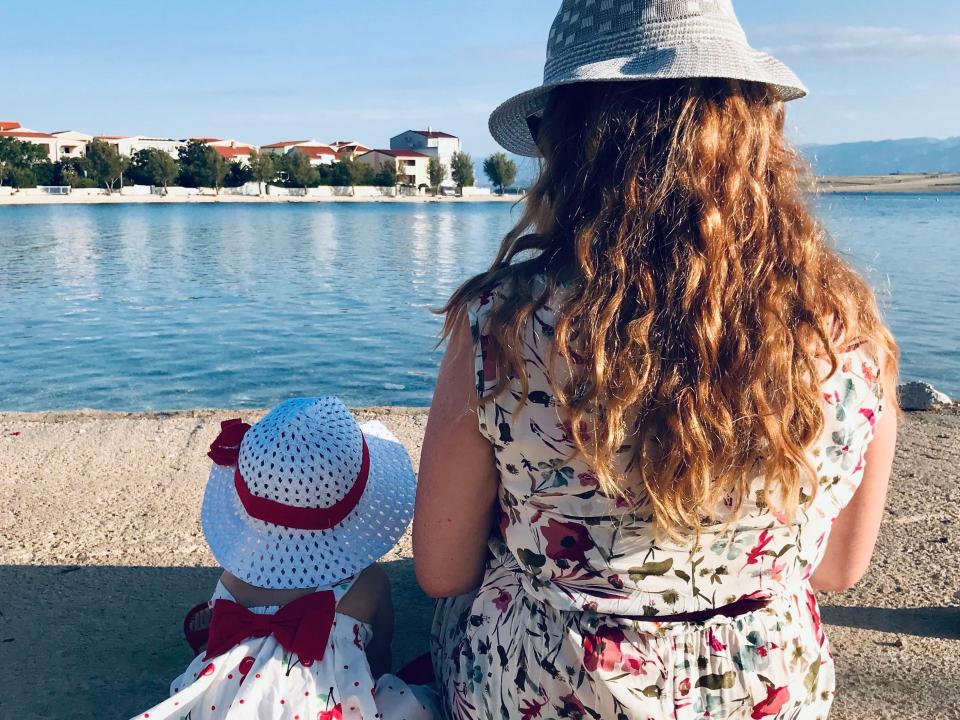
<point x="101" y="554"/>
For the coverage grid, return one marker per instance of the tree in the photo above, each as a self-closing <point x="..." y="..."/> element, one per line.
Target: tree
<point x="74" y="172"/>
<point x="238" y="175"/>
<point x="201" y="166"/>
<point x="346" y="173"/>
<point x="461" y="170"/>
<point x="386" y="176"/>
<point x="20" y="161"/>
<point x="263" y="168"/>
<point x="501" y="170"/>
<point x="438" y="173"/>
<point x="105" y="163"/>
<point x="297" y="171"/>
<point x="152" y="166"/>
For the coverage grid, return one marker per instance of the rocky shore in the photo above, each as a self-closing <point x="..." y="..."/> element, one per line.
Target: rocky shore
<point x="101" y="553"/>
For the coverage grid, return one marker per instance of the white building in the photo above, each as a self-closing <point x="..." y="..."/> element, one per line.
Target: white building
<point x="412" y="166"/>
<point x="429" y="142"/>
<point x="231" y="150"/>
<point x="48" y="142"/>
<point x="349" y="149"/>
<point x="317" y="153"/>
<point x="71" y="144"/>
<point x="130" y="145"/>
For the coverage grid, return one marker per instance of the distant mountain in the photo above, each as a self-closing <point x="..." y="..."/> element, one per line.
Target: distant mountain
<point x="883" y="157"/>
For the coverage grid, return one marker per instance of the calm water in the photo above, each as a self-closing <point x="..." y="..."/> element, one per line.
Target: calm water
<point x="145" y="307"/>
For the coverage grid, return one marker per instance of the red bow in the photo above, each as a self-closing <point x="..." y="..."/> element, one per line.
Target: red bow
<point x="225" y="450"/>
<point x="302" y="626"/>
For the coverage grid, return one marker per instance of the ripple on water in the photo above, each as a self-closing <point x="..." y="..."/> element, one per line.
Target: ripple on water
<point x="177" y="306"/>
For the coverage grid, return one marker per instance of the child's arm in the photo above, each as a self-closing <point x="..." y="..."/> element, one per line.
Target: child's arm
<point x="380" y="651"/>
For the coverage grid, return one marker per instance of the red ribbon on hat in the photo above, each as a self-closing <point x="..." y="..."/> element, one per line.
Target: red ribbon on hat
<point x="302" y="626"/>
<point x="225" y="450"/>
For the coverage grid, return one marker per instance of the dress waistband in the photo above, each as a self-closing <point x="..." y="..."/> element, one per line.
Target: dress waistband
<point x="735" y="609"/>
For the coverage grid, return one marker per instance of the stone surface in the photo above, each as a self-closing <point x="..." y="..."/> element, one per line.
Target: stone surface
<point x="921" y="396"/>
<point x="101" y="554"/>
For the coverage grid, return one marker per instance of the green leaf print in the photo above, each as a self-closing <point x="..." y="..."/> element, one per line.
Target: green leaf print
<point x="532" y="560"/>
<point x="650" y="569"/>
<point x="682" y="575"/>
<point x="813" y="674"/>
<point x="716" y="681"/>
<point x="652" y="691"/>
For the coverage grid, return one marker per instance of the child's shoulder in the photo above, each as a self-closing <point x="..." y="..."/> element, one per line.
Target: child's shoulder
<point x="368" y="593"/>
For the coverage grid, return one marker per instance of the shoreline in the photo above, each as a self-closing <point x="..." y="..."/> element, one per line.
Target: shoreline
<point x="910" y="184"/>
<point x="100" y="536"/>
<point x="906" y="184"/>
<point x="17" y="199"/>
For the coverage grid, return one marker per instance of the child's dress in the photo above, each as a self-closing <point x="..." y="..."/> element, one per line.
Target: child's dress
<point x="259" y="680"/>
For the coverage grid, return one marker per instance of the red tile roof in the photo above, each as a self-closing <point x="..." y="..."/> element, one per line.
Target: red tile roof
<point x="26" y="134"/>
<point x="400" y="153"/>
<point x="315" y="151"/>
<point x="285" y="143"/>
<point x="434" y="134"/>
<point x="9" y="124"/>
<point x="233" y="152"/>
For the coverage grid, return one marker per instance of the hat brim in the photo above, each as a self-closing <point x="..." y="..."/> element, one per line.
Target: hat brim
<point x="718" y="59"/>
<point x="274" y="557"/>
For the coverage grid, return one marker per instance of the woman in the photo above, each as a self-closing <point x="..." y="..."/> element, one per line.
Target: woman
<point x="685" y="398"/>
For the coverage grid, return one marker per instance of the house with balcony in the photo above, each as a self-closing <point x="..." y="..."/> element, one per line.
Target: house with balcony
<point x="71" y="144"/>
<point x="432" y="143"/>
<point x="412" y="166"/>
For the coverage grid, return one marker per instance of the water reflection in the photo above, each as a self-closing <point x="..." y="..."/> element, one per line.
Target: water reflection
<point x="188" y="305"/>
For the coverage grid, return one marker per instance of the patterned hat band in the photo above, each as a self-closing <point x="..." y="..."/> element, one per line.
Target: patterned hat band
<point x="225" y="450"/>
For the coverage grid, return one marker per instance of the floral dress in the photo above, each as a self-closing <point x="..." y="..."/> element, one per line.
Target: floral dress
<point x="565" y="622"/>
<point x="259" y="680"/>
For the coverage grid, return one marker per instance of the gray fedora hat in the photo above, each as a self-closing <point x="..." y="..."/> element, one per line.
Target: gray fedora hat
<point x="602" y="40"/>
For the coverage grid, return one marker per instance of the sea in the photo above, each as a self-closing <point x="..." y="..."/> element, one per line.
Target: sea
<point x="163" y="307"/>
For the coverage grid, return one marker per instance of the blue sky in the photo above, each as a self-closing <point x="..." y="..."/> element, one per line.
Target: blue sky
<point x="367" y="69"/>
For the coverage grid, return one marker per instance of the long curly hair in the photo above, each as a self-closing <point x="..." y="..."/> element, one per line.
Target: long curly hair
<point x="697" y="299"/>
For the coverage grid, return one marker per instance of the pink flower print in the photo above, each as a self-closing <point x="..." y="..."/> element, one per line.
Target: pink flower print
<point x="753" y="556"/>
<point x="684" y="687"/>
<point x="356" y="637"/>
<point x="588" y="480"/>
<point x="871" y="417"/>
<point x="772" y="704"/>
<point x="714" y="642"/>
<point x="567" y="541"/>
<point x="572" y="707"/>
<point x="208" y="670"/>
<point x="634" y="666"/>
<point x="603" y="649"/>
<point x="503" y="600"/>
<point x="869" y="373"/>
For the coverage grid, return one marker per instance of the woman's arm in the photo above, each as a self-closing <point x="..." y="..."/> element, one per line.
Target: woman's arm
<point x="855" y="530"/>
<point x="457" y="486"/>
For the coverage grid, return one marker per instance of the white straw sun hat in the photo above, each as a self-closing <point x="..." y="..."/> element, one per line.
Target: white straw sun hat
<point x="603" y="40"/>
<point x="305" y="498"/>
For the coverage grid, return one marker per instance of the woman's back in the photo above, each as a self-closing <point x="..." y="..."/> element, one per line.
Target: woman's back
<point x="579" y="549"/>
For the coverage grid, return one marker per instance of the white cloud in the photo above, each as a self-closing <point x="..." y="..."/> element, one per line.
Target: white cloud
<point x="860" y="41"/>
